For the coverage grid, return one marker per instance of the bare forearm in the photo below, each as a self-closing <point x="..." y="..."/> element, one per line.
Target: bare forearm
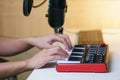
<point x="12" y="46"/>
<point x="12" y="68"/>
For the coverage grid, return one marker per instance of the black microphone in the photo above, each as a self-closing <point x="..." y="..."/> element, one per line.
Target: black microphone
<point x="56" y="14"/>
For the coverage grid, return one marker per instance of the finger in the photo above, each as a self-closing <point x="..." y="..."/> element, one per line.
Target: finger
<point x="62" y="40"/>
<point x="67" y="39"/>
<point x="49" y="46"/>
<point x="56" y="57"/>
<point x="58" y="51"/>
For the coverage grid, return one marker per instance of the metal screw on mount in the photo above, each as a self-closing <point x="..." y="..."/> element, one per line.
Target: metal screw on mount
<point x="58" y="30"/>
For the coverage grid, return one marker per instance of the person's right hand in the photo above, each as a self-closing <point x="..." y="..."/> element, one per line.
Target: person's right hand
<point x="46" y="55"/>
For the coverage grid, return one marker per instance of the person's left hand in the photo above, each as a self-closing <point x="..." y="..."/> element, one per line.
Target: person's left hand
<point x="47" y="41"/>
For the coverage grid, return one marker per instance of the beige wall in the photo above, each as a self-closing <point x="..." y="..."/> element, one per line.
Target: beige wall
<point x="82" y="14"/>
<point x="13" y="23"/>
<point x="93" y="14"/>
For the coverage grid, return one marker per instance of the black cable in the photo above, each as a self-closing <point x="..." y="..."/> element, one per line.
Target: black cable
<point x="39" y="4"/>
<point x="28" y="4"/>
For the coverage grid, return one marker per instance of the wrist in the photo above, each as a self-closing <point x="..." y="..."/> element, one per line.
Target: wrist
<point x="29" y="66"/>
<point x="27" y="41"/>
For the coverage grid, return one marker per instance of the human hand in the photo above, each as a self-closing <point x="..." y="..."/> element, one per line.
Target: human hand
<point x="46" y="55"/>
<point x="45" y="42"/>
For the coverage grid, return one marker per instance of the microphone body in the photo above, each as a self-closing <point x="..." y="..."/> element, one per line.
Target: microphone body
<point x="56" y="14"/>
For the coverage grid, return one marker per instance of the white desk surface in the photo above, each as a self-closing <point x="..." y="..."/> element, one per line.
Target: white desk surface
<point x="50" y="73"/>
